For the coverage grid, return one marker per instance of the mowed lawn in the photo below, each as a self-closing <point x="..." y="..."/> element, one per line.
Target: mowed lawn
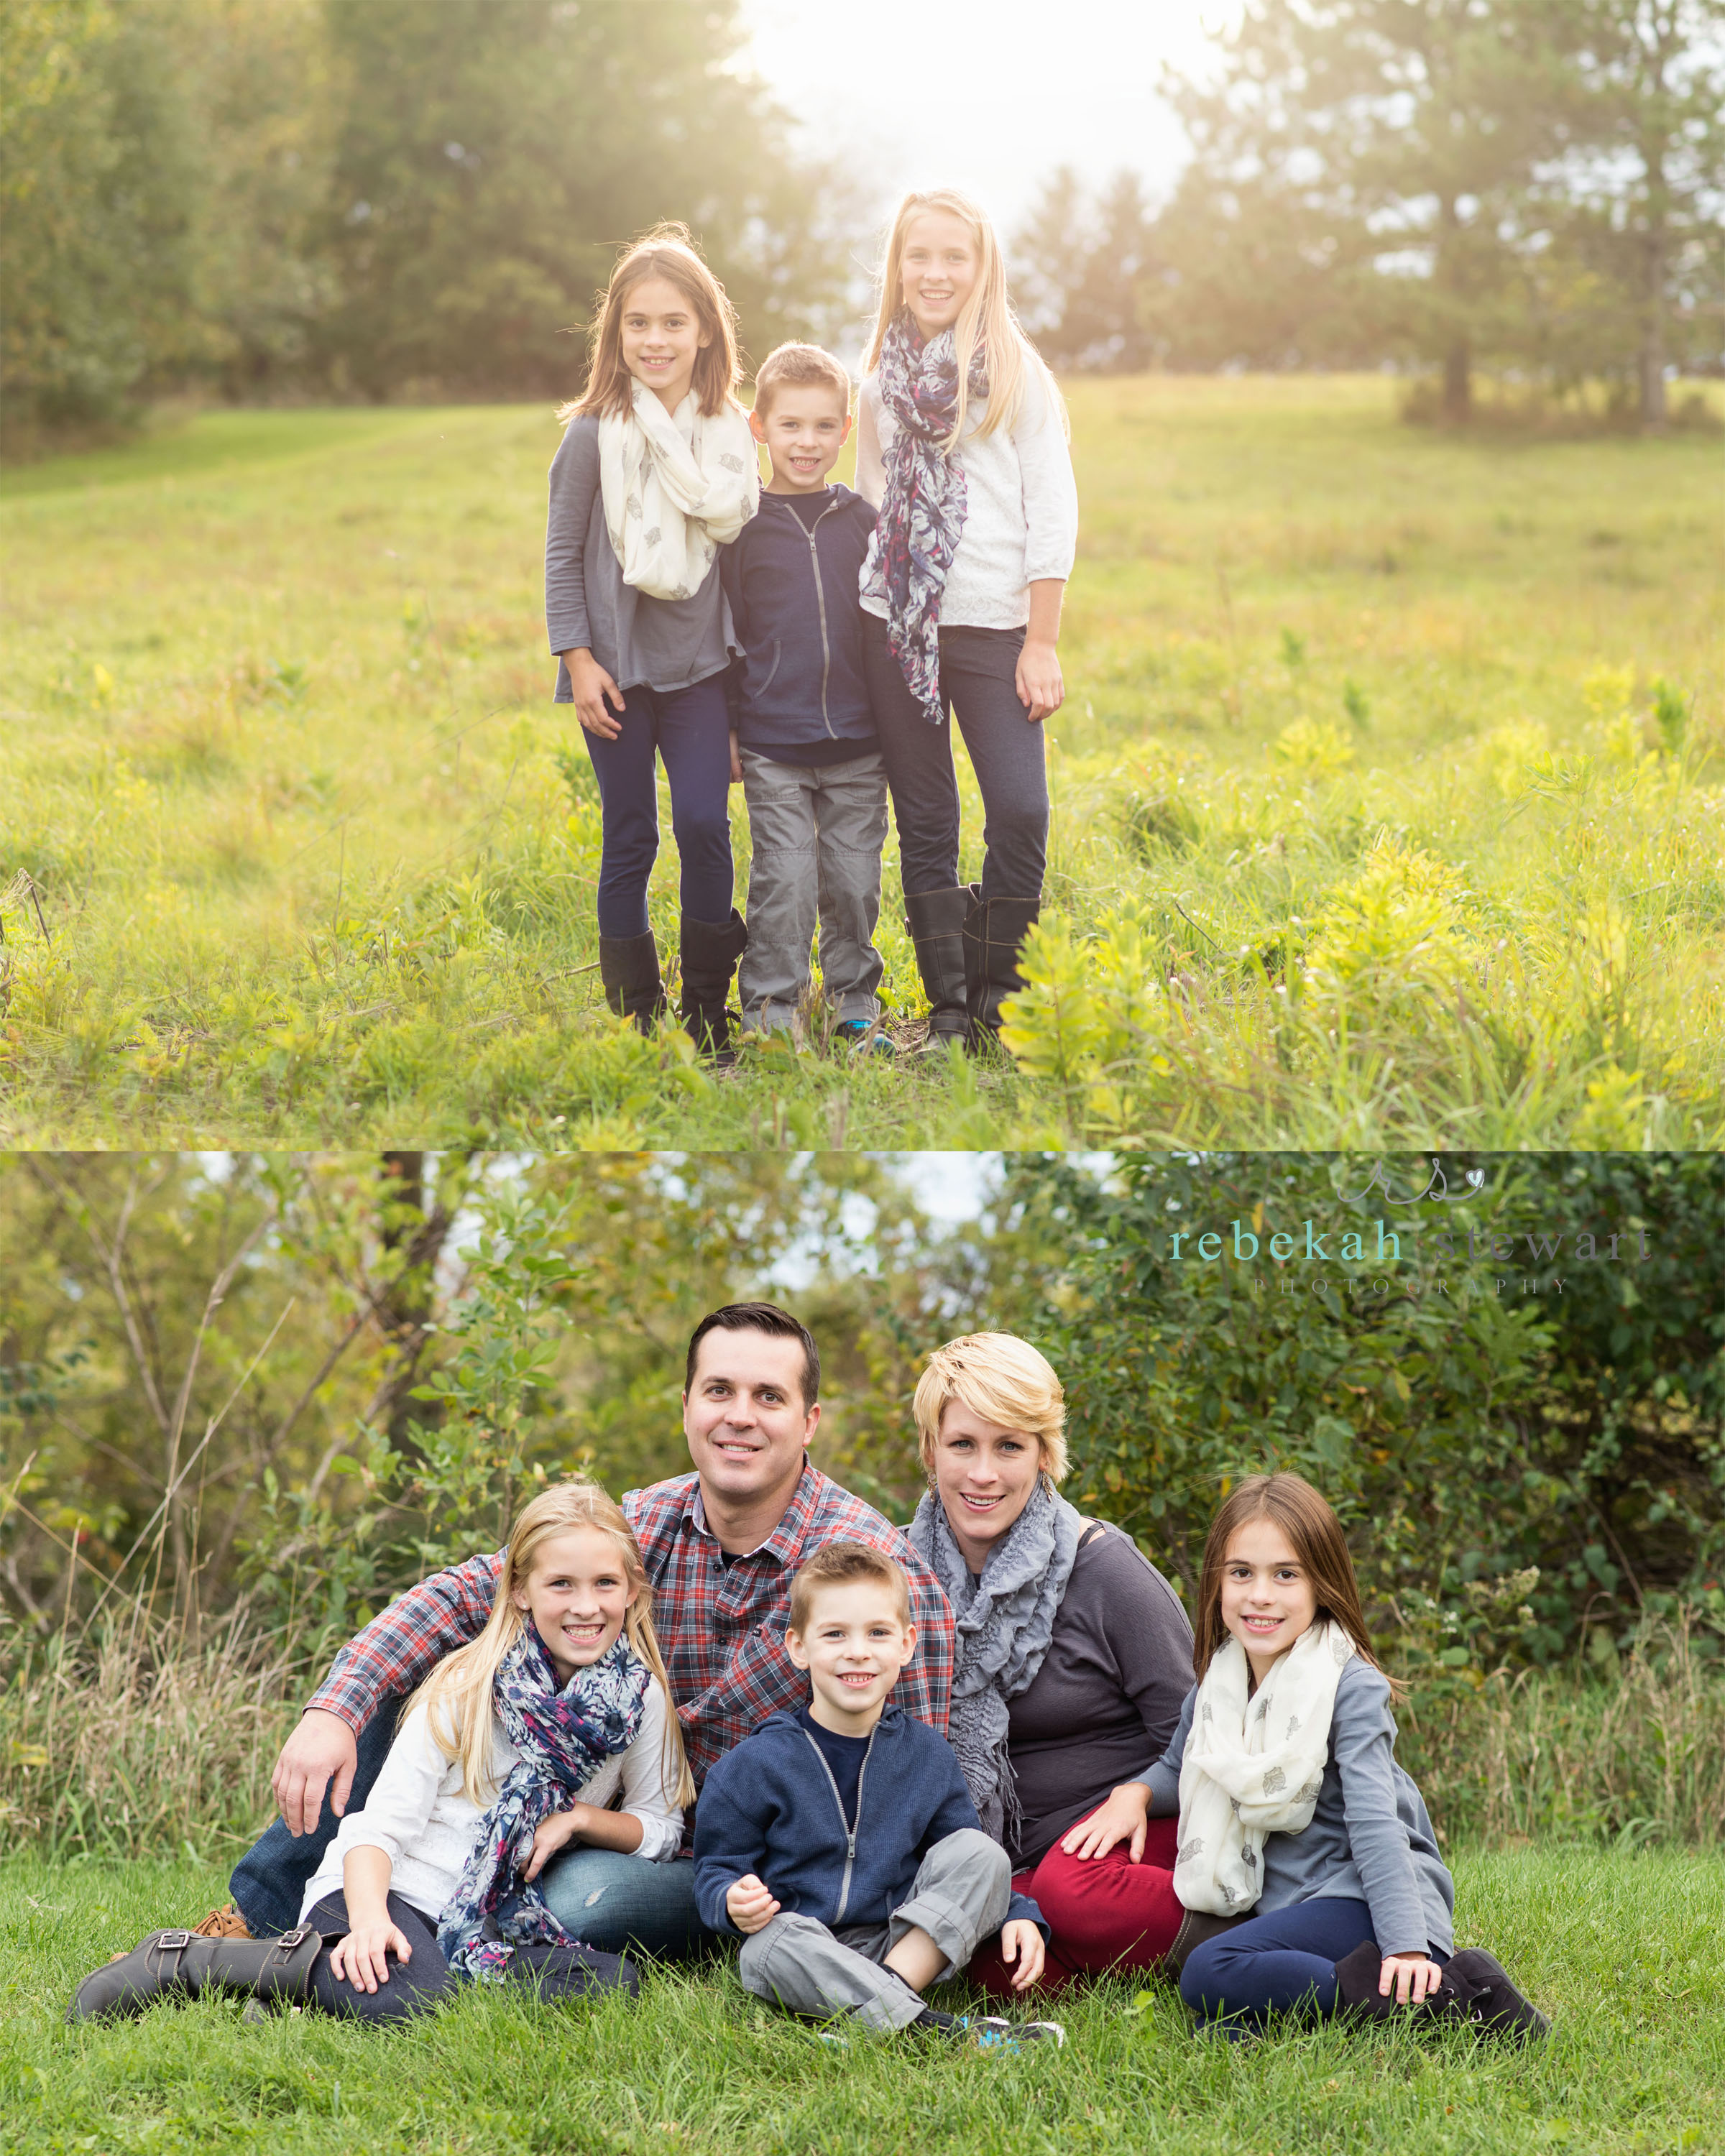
<point x="1388" y="799"/>
<point x="1623" y="1950"/>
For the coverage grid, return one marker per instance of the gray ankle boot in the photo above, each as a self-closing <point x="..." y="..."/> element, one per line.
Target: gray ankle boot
<point x="277" y="1971"/>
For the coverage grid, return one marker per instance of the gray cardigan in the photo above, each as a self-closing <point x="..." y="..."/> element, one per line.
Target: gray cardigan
<point x="668" y="644"/>
<point x="1370" y="1839"/>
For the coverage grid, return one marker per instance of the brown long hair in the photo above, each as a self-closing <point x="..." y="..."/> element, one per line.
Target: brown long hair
<point x="667" y="251"/>
<point x="1307" y="1521"/>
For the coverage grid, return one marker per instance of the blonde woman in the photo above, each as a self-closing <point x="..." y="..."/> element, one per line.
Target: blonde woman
<point x="514" y="1747"/>
<point x="961" y="448"/>
<point x="1070" y="1651"/>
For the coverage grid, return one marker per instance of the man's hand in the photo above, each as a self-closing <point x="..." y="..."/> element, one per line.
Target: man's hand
<point x="1020" y="1942"/>
<point x="553" y="1835"/>
<point x="591" y="685"/>
<point x="749" y="1905"/>
<point x="1123" y="1816"/>
<point x="321" y="1746"/>
<point x="1410" y="1975"/>
<point x="362" y="1957"/>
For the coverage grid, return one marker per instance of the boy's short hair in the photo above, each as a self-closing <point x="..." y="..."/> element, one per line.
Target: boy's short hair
<point x="836" y="1564"/>
<point x="793" y="363"/>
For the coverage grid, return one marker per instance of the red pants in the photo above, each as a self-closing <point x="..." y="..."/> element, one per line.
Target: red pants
<point x="1107" y="1913"/>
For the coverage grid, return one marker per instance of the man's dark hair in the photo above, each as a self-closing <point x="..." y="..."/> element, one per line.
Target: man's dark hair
<point x="759" y="1317"/>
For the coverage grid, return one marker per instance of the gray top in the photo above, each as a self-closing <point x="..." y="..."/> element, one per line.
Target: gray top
<point x="1370" y="1839"/>
<point x="1115" y="1670"/>
<point x="667" y="643"/>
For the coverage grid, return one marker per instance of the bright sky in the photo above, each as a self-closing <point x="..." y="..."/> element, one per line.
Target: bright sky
<point x="989" y="96"/>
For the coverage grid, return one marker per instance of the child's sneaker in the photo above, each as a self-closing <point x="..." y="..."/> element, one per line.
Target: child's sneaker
<point x="862" y="1036"/>
<point x="990" y="2032"/>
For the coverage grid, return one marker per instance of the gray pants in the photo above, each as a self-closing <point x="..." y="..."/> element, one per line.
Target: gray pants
<point x="960" y="1895"/>
<point x="816" y="832"/>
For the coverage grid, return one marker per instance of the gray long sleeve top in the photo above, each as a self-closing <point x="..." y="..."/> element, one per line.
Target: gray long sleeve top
<point x="1370" y="1839"/>
<point x="667" y="643"/>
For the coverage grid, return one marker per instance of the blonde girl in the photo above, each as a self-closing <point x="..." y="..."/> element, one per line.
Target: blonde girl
<point x="961" y="448"/>
<point x="656" y="472"/>
<point x="1305" y="1855"/>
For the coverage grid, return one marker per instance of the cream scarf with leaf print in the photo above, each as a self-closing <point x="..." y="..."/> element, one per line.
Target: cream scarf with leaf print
<point x="676" y="488"/>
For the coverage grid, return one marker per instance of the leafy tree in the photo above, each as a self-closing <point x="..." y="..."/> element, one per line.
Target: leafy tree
<point x="1082" y="272"/>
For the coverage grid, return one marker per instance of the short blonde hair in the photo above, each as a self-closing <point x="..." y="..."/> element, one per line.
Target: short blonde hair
<point x="1005" y="1381"/>
<point x="837" y="1564"/>
<point x="800" y="364"/>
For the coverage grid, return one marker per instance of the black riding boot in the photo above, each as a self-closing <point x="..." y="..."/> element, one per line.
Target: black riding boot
<point x="1476" y="1988"/>
<point x="710" y="950"/>
<point x="1001" y="927"/>
<point x="629" y="966"/>
<point x="278" y="1971"/>
<point x="937" y="922"/>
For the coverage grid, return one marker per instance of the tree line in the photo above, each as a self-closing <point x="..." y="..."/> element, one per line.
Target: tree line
<point x="380" y="199"/>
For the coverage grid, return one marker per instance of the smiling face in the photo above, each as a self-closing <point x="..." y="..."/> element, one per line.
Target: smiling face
<point x="1267" y="1595"/>
<point x="984" y="1475"/>
<point x="804" y="427"/>
<point x="660" y="335"/>
<point x="743" y="1415"/>
<point x="939" y="264"/>
<point x="853" y="1644"/>
<point x="576" y="1595"/>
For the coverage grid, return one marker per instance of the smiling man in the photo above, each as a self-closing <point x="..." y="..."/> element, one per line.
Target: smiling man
<point x="722" y="1547"/>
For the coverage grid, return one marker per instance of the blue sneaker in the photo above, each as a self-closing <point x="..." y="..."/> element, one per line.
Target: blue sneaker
<point x="862" y="1036"/>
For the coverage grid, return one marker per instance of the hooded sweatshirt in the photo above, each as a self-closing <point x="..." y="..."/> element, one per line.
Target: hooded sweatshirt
<point x="771" y="1806"/>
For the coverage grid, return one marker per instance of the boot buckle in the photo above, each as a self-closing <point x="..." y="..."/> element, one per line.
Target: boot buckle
<point x="297" y="1937"/>
<point x="172" y="1941"/>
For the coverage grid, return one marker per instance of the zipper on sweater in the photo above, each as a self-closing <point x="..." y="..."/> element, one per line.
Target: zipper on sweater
<point x="808" y="531"/>
<point x="850" y="1831"/>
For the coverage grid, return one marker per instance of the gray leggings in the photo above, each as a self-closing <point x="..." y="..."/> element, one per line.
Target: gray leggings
<point x="424" y="1980"/>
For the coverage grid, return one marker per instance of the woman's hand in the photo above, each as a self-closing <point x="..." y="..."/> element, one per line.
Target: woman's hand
<point x="1123" y="1817"/>
<point x="363" y="1956"/>
<point x="1412" y="1976"/>
<point x="1020" y="1942"/>
<point x="1040" y="687"/>
<point x="553" y="1834"/>
<point x="592" y="685"/>
<point x="749" y="1905"/>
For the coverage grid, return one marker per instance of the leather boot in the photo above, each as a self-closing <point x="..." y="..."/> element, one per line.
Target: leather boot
<point x="1002" y="925"/>
<point x="1474" y="1989"/>
<point x="937" y="922"/>
<point x="277" y="1971"/>
<point x="710" y="950"/>
<point x="1196" y="1925"/>
<point x="629" y="966"/>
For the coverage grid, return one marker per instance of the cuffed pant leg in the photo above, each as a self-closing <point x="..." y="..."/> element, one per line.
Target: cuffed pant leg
<point x="960" y="1895"/>
<point x="783" y="890"/>
<point x="978" y="675"/>
<point x="606" y="1899"/>
<point x="1276" y="1962"/>
<point x="797" y="1963"/>
<point x="918" y="758"/>
<point x="850" y="802"/>
<point x="1107" y="1913"/>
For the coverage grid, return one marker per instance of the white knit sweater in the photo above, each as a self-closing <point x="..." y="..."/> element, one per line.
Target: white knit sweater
<point x="1021" y="521"/>
<point x="420" y="1815"/>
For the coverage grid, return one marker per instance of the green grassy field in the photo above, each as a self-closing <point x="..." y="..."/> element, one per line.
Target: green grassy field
<point x="1387" y="800"/>
<point x="1622" y="1950"/>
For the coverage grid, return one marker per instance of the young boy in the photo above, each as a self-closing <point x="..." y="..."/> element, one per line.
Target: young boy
<point x="839" y="1840"/>
<point x="803" y="731"/>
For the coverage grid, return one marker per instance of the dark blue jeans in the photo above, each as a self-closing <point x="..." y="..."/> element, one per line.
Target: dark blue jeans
<point x="690" y="729"/>
<point x="1278" y="1963"/>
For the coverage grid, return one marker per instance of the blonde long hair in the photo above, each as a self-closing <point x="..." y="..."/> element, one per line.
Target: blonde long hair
<point x="667" y="251"/>
<point x="458" y="1692"/>
<point x="986" y="318"/>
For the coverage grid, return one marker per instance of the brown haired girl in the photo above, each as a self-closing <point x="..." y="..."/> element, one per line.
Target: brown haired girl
<point x="656" y="471"/>
<point x="1305" y="1851"/>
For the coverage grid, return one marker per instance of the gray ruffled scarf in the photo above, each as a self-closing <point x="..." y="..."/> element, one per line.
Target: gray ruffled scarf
<point x="1005" y="1622"/>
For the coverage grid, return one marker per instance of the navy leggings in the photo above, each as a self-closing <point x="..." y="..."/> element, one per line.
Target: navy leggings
<point x="690" y="728"/>
<point x="1277" y="1963"/>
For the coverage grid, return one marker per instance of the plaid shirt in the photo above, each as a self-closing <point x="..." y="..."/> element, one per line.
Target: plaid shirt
<point x="720" y="1626"/>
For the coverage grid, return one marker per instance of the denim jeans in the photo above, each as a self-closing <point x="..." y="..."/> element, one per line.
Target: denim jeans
<point x="607" y="1900"/>
<point x="690" y="729"/>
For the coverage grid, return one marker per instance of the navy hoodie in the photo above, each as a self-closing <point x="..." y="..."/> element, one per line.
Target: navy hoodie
<point x="771" y="1806"/>
<point x="794" y="589"/>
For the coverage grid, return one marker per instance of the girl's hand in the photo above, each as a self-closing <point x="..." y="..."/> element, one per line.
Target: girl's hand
<point x="592" y="685"/>
<point x="735" y="761"/>
<point x="749" y="1905"/>
<point x="1040" y="687"/>
<point x="362" y="1957"/>
<point x="1020" y="1942"/>
<point x="1123" y="1817"/>
<point x="1412" y="1976"/>
<point x="551" y="1835"/>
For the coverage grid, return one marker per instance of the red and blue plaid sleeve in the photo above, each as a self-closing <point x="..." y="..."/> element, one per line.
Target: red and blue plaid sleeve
<point x="407" y="1642"/>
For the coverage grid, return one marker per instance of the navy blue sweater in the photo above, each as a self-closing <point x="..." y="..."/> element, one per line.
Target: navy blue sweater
<point x="793" y="592"/>
<point x="770" y="1807"/>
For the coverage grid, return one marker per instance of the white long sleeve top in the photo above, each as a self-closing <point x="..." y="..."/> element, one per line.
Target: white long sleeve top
<point x="420" y="1815"/>
<point x="1021" y="521"/>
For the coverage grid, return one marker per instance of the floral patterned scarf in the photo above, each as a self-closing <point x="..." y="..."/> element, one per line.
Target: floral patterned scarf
<point x="562" y="1737"/>
<point x="923" y="507"/>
